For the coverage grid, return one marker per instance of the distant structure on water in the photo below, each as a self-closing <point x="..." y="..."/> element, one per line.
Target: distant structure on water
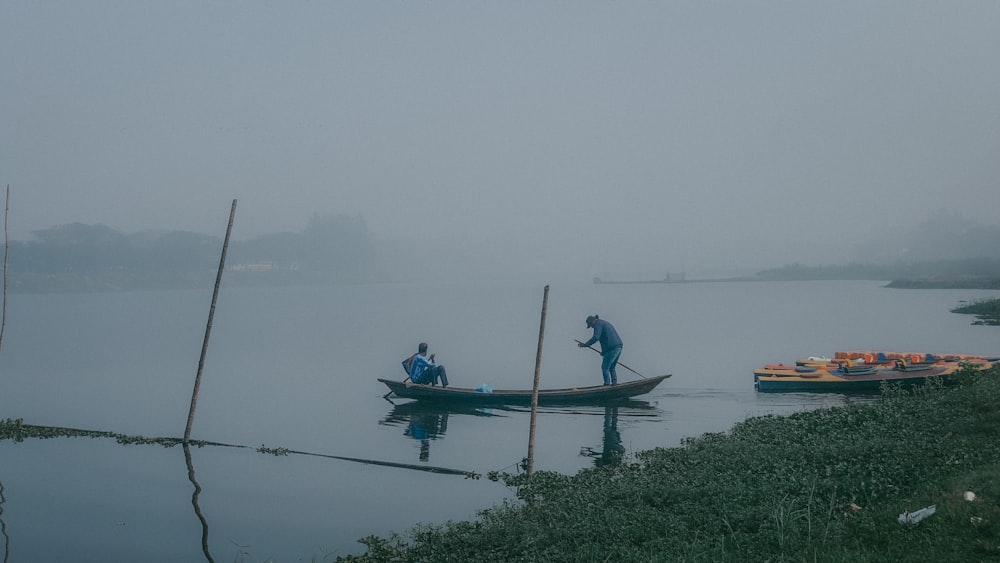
<point x="666" y="279"/>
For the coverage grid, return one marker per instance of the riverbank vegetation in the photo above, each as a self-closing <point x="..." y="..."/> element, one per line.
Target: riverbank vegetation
<point x="824" y="485"/>
<point x="987" y="311"/>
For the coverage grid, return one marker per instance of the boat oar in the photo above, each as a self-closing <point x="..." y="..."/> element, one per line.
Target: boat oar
<point x="619" y="363"/>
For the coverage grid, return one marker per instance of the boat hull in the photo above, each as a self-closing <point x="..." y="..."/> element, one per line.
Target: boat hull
<point x="597" y="394"/>
<point x="862" y="370"/>
<point x="826" y="381"/>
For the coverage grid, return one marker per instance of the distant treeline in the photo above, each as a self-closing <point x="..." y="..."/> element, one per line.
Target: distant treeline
<point x="79" y="257"/>
<point x="946" y="250"/>
<point x="340" y="249"/>
<point x="983" y="273"/>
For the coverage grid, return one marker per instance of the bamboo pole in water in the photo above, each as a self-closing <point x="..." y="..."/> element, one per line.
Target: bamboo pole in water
<point x="534" y="389"/>
<point x="3" y="315"/>
<point x="208" y="327"/>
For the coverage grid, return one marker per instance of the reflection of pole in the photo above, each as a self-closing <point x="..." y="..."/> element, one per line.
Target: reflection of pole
<point x="3" y="528"/>
<point x="208" y="327"/>
<point x="194" y="501"/>
<point x="534" y="389"/>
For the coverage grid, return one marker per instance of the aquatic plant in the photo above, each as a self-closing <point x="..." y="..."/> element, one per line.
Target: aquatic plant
<point x="987" y="311"/>
<point x="823" y="485"/>
<point x="279" y="451"/>
<point x="16" y="430"/>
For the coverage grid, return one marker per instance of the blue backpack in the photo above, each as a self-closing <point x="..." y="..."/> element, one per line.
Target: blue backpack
<point x="406" y="364"/>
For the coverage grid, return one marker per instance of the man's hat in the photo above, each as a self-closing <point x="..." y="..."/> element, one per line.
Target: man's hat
<point x="591" y="320"/>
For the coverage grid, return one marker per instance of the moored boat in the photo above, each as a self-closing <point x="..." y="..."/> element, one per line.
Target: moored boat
<point x="596" y="394"/>
<point x="862" y="371"/>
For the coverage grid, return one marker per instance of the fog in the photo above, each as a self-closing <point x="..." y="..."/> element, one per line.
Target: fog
<point x="559" y="138"/>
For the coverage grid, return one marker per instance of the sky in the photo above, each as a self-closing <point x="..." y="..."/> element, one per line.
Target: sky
<point x="616" y="136"/>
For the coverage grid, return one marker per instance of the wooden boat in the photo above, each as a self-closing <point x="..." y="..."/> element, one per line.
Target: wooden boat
<point x="597" y="394"/>
<point x="845" y="375"/>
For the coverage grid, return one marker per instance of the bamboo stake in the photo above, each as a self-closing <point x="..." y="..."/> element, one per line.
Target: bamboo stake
<point x="208" y="327"/>
<point x="534" y="389"/>
<point x="3" y="315"/>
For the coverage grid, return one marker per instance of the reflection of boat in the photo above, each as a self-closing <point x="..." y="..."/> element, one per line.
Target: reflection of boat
<point x="860" y="371"/>
<point x="401" y="412"/>
<point x="596" y="394"/>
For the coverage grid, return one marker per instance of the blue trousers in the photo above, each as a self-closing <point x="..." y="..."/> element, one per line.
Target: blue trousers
<point x="432" y="374"/>
<point x="608" y="363"/>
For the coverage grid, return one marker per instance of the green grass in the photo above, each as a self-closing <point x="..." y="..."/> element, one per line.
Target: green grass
<point x="824" y="485"/>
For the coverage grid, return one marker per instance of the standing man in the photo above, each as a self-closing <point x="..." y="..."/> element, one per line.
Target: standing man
<point x="422" y="368"/>
<point x="611" y="347"/>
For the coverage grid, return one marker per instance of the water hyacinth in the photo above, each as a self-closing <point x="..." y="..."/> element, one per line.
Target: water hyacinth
<point x="824" y="485"/>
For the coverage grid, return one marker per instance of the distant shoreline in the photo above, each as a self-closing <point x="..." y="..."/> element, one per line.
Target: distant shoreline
<point x="992" y="283"/>
<point x="599" y="281"/>
<point x="957" y="283"/>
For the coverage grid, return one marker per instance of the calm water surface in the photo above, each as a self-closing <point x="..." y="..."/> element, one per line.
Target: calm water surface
<point x="295" y="368"/>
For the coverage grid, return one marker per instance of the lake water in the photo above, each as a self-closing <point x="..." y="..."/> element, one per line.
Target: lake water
<point x="296" y="368"/>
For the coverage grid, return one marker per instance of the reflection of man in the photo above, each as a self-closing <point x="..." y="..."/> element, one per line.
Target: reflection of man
<point x="614" y="451"/>
<point x="426" y="427"/>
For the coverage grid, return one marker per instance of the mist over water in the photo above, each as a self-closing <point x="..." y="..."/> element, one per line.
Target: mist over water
<point x="296" y="368"/>
<point x="485" y="151"/>
<point x="700" y="137"/>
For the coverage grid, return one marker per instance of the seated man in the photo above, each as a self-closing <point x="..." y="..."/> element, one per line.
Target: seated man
<point x="422" y="368"/>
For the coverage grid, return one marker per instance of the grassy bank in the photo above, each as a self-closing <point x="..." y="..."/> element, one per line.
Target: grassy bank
<point x="824" y="485"/>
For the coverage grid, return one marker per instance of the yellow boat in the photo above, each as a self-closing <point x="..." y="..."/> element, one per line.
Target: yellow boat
<point x="860" y="371"/>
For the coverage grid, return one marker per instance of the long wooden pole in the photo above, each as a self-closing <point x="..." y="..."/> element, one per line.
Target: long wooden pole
<point x="3" y="316"/>
<point x="208" y="327"/>
<point x="534" y="389"/>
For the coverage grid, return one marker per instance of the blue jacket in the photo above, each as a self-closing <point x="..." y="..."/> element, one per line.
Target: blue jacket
<point x="418" y="366"/>
<point x="606" y="335"/>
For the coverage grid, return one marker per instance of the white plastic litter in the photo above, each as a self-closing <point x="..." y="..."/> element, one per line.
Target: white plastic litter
<point x="917" y="515"/>
<point x="969" y="496"/>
